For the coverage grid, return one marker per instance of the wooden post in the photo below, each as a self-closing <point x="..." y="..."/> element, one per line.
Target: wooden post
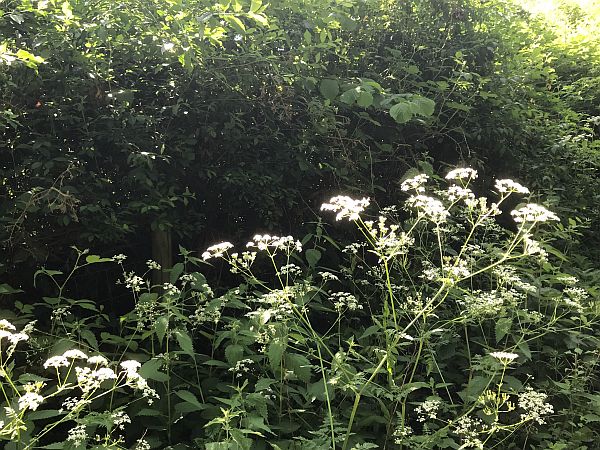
<point x="162" y="253"/>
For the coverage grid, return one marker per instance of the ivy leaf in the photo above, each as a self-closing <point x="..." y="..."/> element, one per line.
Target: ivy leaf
<point x="329" y="89"/>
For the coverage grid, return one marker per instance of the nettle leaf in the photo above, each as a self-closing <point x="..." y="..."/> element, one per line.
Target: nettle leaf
<point x="160" y="326"/>
<point x="300" y="365"/>
<point x="275" y="353"/>
<point x="191" y="399"/>
<point x="329" y="89"/>
<point x="503" y="326"/>
<point x="150" y="370"/>
<point x="234" y="353"/>
<point x="185" y="342"/>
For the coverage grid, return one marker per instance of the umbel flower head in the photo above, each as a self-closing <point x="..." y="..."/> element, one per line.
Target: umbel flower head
<point x="346" y="207"/>
<point x="532" y="212"/>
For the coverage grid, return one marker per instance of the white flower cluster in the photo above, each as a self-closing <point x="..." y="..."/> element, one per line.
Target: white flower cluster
<point x="428" y="409"/>
<point x="343" y="300"/>
<point x="480" y="303"/>
<point x="415" y="183"/>
<point x="456" y="192"/>
<point x="134" y="282"/>
<point x="31" y="399"/>
<point x="429" y="207"/>
<point x="328" y="276"/>
<point x="290" y="269"/>
<point x="462" y="173"/>
<point x="346" y="207"/>
<point x="468" y="428"/>
<point x="135" y="380"/>
<point x="77" y="435"/>
<point x="241" y="367"/>
<point x="241" y="262"/>
<point x="266" y="241"/>
<point x="119" y="258"/>
<point x="217" y="250"/>
<point x="535" y="406"/>
<point x="170" y="289"/>
<point x="401" y="433"/>
<point x="387" y="241"/>
<point x="89" y="380"/>
<point x="506" y="186"/>
<point x="153" y="265"/>
<point x="8" y="331"/>
<point x="532" y="213"/>
<point x="504" y="357"/>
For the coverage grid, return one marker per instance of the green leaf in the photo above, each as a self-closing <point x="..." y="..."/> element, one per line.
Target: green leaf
<point x="92" y="259"/>
<point x="175" y="271"/>
<point x="329" y="89"/>
<point x="401" y="112"/>
<point x="312" y="256"/>
<point x="190" y="398"/>
<point x="425" y="105"/>
<point x="236" y="23"/>
<point x="524" y="348"/>
<point x="185" y="342"/>
<point x="275" y="353"/>
<point x="349" y="96"/>
<point x="150" y="370"/>
<point x="260" y="18"/>
<point x="300" y="365"/>
<point x="234" y="353"/>
<point x="365" y="99"/>
<point x="160" y="327"/>
<point x="6" y="289"/>
<point x="255" y="5"/>
<point x="45" y="414"/>
<point x="503" y="326"/>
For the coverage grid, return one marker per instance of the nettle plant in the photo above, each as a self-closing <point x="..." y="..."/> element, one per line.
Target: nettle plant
<point x="435" y="328"/>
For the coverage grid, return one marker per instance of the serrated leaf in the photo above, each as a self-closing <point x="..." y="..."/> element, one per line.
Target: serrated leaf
<point x="300" y="365"/>
<point x="275" y="353"/>
<point x="234" y="353"/>
<point x="190" y="398"/>
<point x="329" y="89"/>
<point x="503" y="326"/>
<point x="160" y="326"/>
<point x="185" y="342"/>
<point x="150" y="370"/>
